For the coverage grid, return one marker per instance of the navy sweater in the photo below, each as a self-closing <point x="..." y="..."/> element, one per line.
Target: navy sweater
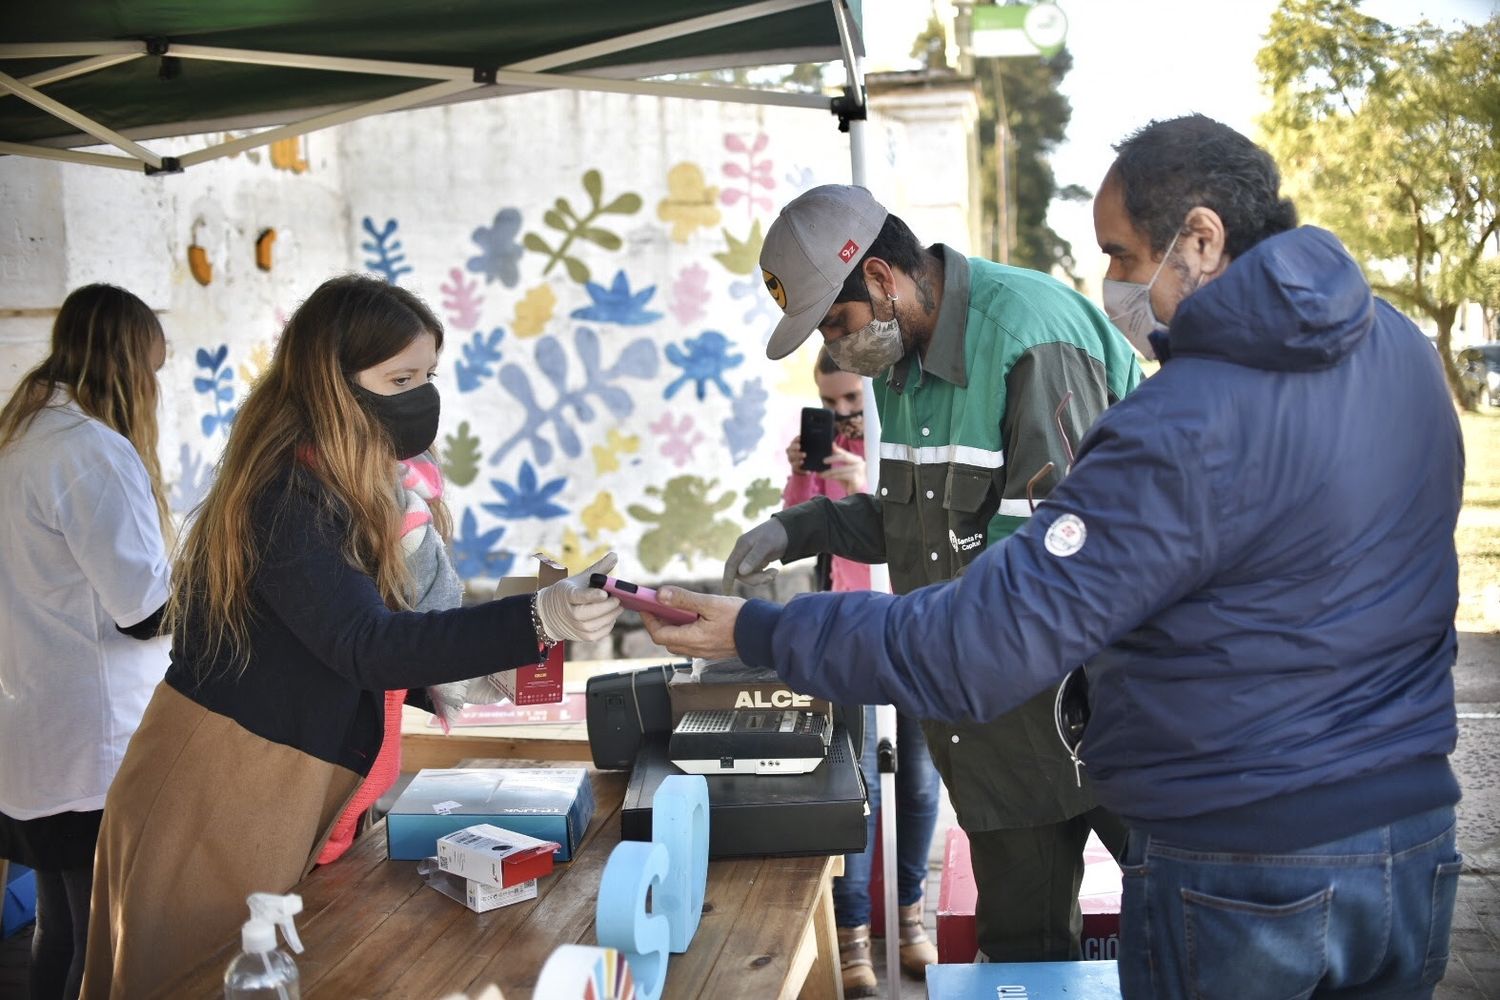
<point x="323" y="647"/>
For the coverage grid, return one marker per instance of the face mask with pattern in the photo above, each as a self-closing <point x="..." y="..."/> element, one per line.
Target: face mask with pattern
<point x="872" y="348"/>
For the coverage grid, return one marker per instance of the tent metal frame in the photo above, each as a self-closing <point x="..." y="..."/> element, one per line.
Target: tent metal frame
<point x="444" y="83"/>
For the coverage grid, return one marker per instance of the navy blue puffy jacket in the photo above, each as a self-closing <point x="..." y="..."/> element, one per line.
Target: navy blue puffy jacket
<point x="1266" y="587"/>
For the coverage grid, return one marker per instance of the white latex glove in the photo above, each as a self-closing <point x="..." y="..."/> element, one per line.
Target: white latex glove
<point x="753" y="553"/>
<point x="449" y="699"/>
<point x="571" y="609"/>
<point x="490" y="689"/>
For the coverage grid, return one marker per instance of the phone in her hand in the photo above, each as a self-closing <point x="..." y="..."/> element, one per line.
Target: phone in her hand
<point x="817" y="438"/>
<point x="638" y="598"/>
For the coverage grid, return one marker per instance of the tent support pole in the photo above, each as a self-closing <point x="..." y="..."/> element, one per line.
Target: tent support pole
<point x="70" y="156"/>
<point x="394" y="103"/>
<point x="70" y="70"/>
<point x="78" y="120"/>
<point x="636" y="39"/>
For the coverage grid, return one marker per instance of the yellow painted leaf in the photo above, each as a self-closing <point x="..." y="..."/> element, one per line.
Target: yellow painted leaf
<point x="575" y="556"/>
<point x="534" y="311"/>
<point x="601" y="516"/>
<point x="690" y="203"/>
<point x="743" y="256"/>
<point x="630" y="443"/>
<point x="607" y="455"/>
<point x="605" y="460"/>
<point x="255" y="365"/>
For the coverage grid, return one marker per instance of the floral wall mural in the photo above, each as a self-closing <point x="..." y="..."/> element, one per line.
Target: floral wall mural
<point x="603" y="377"/>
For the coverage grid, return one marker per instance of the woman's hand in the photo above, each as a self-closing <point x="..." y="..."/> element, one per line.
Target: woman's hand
<point x="846" y="467"/>
<point x="571" y="609"/>
<point x="794" y="455"/>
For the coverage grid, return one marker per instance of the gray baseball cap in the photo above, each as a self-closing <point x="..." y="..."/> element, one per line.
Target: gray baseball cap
<point x="809" y="250"/>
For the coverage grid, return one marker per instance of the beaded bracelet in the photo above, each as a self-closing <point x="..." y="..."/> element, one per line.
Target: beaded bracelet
<point x="543" y="640"/>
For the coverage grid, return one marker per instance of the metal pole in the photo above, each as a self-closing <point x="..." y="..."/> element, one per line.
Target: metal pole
<point x="885" y="715"/>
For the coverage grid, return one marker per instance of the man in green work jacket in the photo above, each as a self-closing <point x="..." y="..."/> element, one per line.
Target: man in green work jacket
<point x="981" y="372"/>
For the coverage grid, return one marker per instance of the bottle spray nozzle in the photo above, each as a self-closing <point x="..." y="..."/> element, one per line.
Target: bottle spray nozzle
<point x="278" y="910"/>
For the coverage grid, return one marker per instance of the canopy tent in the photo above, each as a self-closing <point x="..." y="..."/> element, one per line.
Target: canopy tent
<point x="83" y="73"/>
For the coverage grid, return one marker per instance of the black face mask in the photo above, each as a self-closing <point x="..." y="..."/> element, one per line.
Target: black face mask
<point x="410" y="418"/>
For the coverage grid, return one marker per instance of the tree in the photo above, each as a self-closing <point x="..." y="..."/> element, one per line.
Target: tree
<point x="1023" y="91"/>
<point x="1387" y="137"/>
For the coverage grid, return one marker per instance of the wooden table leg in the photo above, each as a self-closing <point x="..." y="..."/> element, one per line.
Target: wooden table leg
<point x="824" y="981"/>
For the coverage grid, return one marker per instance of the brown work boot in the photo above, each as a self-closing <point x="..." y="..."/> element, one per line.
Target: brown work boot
<point x="855" y="967"/>
<point x="917" y="952"/>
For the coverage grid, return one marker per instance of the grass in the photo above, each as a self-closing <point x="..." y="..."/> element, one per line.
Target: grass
<point x="1478" y="534"/>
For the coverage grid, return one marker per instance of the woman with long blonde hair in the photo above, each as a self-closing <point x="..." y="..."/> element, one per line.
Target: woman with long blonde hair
<point x="291" y="619"/>
<point x="83" y="581"/>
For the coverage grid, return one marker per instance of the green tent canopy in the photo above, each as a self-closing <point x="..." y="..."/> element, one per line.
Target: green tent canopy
<point x="85" y="72"/>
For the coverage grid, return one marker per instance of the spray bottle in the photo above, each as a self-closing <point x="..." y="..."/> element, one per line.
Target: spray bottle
<point x="262" y="971"/>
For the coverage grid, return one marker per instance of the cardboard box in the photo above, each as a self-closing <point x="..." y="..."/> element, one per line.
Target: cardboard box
<point x="1098" y="898"/>
<point x="548" y="803"/>
<point x="495" y="856"/>
<point x="821" y="812"/>
<point x="477" y="896"/>
<point x="1024" y="981"/>
<point x="543" y="683"/>
<point x="728" y="684"/>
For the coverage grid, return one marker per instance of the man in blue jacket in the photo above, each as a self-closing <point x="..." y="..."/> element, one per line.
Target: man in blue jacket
<point x="1254" y="556"/>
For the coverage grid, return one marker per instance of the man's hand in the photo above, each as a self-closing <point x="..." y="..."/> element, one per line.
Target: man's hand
<point x="753" y="553"/>
<point x="711" y="637"/>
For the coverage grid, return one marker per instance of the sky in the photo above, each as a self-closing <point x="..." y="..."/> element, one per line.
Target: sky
<point x="1136" y="61"/>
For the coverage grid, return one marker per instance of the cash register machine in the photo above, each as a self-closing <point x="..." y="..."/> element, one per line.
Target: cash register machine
<point x="782" y="769"/>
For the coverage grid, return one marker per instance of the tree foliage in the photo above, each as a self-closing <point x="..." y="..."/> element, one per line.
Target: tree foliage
<point x="1036" y="113"/>
<point x="1388" y="137"/>
<point x="1024" y="90"/>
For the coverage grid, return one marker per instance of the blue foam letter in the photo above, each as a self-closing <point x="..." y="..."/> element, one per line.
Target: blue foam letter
<point x="621" y="920"/>
<point x="679" y="820"/>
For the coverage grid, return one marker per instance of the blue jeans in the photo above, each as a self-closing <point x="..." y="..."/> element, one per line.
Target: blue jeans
<point x="916" y="815"/>
<point x="1366" y="916"/>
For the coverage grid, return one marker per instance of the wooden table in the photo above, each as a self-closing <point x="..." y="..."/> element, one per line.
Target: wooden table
<point x="372" y="929"/>
<point x="423" y="745"/>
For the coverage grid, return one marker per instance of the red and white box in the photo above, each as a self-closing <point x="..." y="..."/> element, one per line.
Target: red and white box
<point x="1098" y="898"/>
<point x="492" y="856"/>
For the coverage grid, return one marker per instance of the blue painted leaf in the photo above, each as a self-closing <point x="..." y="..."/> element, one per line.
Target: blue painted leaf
<point x="637" y="360"/>
<point x="586" y="343"/>
<point x="499" y="252"/>
<point x="210" y="421"/>
<point x="225" y="394"/>
<point x="617" y="304"/>
<point x="617" y="400"/>
<point x="552" y="361"/>
<point x="201" y="384"/>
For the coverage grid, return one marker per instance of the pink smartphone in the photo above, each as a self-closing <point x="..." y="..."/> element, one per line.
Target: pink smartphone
<point x="638" y="598"/>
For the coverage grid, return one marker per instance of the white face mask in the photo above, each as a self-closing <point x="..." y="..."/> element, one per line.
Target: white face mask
<point x="872" y="348"/>
<point x="1128" y="306"/>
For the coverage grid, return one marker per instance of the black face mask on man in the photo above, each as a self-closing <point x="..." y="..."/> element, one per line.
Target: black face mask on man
<point x="410" y="418"/>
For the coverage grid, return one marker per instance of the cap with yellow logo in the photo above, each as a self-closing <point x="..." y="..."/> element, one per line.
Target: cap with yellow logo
<point x="809" y="250"/>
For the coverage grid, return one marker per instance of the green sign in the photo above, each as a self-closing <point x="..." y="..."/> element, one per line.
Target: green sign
<point x="1018" y="30"/>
